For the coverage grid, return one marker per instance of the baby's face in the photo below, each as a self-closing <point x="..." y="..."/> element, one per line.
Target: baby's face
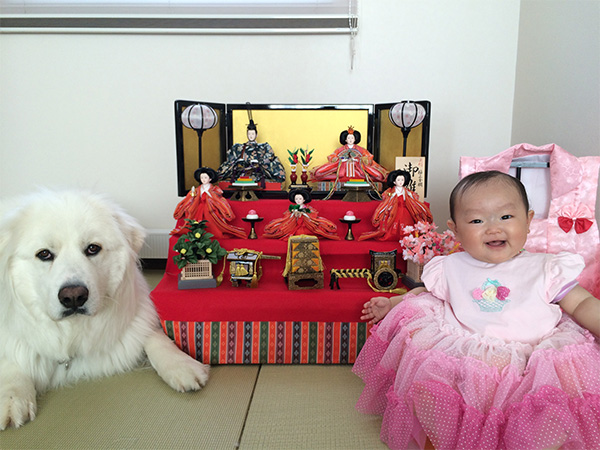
<point x="491" y="222"/>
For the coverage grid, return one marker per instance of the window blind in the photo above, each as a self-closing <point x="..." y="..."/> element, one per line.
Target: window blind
<point x="180" y="16"/>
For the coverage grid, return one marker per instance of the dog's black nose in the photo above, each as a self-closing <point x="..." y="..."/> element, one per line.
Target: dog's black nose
<point x="73" y="297"/>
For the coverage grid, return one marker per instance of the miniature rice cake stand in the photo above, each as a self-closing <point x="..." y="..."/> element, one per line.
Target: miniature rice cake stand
<point x="304" y="267"/>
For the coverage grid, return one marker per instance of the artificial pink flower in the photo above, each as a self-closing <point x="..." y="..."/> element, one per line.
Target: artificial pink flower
<point x="421" y="242"/>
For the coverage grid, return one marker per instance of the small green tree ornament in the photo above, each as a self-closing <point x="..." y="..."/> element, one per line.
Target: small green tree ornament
<point x="197" y="245"/>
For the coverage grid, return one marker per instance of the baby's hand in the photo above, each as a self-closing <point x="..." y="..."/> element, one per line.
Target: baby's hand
<point x="376" y="309"/>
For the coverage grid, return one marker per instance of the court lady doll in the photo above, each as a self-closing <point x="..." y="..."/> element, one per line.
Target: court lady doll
<point x="207" y="203"/>
<point x="399" y="208"/>
<point x="300" y="218"/>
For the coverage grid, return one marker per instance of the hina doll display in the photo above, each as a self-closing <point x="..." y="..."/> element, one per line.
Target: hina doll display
<point x="400" y="207"/>
<point x="207" y="203"/>
<point x="300" y="219"/>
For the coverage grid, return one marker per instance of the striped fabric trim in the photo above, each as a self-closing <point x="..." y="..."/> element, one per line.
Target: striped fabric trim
<point x="269" y="342"/>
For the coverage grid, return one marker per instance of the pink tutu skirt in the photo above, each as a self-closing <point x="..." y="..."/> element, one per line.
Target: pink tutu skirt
<point x="461" y="390"/>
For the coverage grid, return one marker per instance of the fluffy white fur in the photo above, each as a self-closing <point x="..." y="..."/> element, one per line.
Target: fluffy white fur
<point x="50" y="240"/>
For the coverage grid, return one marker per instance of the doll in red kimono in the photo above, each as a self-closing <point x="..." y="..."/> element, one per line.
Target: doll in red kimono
<point x="300" y="219"/>
<point x="399" y="208"/>
<point x="207" y="203"/>
<point x="349" y="161"/>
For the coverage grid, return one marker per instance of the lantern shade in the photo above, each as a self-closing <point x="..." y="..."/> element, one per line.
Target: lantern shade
<point x="407" y="114"/>
<point x="199" y="117"/>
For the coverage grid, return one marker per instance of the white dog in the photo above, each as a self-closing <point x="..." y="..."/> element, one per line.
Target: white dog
<point x="73" y="302"/>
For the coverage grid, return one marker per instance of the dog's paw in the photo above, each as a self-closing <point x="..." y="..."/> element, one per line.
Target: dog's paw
<point x="187" y="375"/>
<point x="178" y="369"/>
<point x="17" y="405"/>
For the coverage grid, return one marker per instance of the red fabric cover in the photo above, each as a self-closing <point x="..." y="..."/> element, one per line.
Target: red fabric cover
<point x="272" y="301"/>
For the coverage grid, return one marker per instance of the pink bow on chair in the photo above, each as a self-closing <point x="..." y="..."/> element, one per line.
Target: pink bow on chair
<point x="579" y="217"/>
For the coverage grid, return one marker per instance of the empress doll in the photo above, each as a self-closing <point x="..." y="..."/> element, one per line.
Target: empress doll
<point x="349" y="161"/>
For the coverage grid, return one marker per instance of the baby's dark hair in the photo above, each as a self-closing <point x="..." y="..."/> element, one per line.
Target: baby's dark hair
<point x="478" y="178"/>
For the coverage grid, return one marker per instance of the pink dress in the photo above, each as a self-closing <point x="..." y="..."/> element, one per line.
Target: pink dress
<point x="499" y="367"/>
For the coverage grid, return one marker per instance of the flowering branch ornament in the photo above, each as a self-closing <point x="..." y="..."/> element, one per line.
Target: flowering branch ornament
<point x="197" y="244"/>
<point x="306" y="157"/>
<point x="293" y="158"/>
<point x="422" y="243"/>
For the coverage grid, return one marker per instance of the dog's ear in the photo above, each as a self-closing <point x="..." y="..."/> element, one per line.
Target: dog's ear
<point x="133" y="231"/>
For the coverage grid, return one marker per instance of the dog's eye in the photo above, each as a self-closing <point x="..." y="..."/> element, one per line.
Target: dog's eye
<point x="45" y="255"/>
<point x="92" y="249"/>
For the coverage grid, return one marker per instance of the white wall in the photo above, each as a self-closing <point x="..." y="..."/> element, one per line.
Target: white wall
<point x="557" y="90"/>
<point x="557" y="94"/>
<point x="96" y="111"/>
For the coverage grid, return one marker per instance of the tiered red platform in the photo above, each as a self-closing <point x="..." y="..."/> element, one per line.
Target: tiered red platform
<point x="271" y="324"/>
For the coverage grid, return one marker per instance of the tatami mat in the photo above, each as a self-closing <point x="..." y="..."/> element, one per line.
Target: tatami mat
<point x="153" y="277"/>
<point x="245" y="407"/>
<point x="309" y="407"/>
<point x="138" y="410"/>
